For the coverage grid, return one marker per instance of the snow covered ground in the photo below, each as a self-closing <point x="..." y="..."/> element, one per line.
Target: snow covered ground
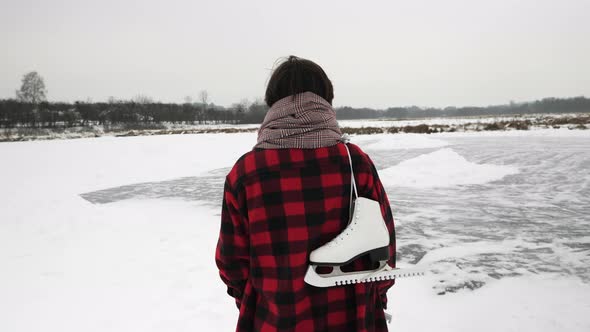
<point x="535" y="122"/>
<point x="118" y="234"/>
<point x="448" y="120"/>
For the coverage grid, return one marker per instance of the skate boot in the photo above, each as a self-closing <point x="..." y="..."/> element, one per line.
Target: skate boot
<point x="366" y="234"/>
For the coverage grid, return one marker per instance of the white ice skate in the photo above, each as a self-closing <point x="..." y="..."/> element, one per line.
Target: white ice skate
<point x="366" y="233"/>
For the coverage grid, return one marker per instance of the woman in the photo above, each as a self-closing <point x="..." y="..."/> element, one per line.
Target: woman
<point x="289" y="196"/>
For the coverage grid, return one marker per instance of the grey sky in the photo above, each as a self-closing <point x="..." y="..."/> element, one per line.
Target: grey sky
<point x="377" y="53"/>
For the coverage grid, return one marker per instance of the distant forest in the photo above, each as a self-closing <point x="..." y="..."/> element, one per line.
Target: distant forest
<point x="148" y="114"/>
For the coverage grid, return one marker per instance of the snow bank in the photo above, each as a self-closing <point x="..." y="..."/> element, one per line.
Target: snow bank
<point x="381" y="123"/>
<point x="429" y="121"/>
<point x="442" y="168"/>
<point x="88" y="164"/>
<point x="533" y="132"/>
<point x="530" y="303"/>
<point x="402" y="142"/>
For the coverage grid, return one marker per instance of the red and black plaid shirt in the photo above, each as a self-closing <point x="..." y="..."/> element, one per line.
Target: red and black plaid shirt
<point x="278" y="206"/>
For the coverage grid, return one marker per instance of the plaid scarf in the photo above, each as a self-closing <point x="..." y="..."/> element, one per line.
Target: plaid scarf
<point x="304" y="121"/>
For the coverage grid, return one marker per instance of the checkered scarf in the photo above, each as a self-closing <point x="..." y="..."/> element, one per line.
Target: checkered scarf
<point x="305" y="121"/>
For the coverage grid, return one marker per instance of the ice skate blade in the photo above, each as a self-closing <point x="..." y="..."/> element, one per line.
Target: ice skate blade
<point x="349" y="278"/>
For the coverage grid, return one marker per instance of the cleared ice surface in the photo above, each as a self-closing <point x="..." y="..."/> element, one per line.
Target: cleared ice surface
<point x="207" y="187"/>
<point x="535" y="221"/>
<point x="482" y="209"/>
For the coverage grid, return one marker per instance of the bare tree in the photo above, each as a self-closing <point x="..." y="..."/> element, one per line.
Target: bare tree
<point x="113" y="100"/>
<point x="242" y="106"/>
<point x="204" y="97"/>
<point x="142" y="99"/>
<point x="32" y="89"/>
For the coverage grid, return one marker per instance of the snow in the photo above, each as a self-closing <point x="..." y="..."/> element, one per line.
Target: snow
<point x="400" y="142"/>
<point x="126" y="266"/>
<point x="132" y="265"/>
<point x="510" y="304"/>
<point x="146" y="262"/>
<point x="533" y="132"/>
<point x="540" y="123"/>
<point x="382" y="123"/>
<point x="442" y="168"/>
<point x="92" y="163"/>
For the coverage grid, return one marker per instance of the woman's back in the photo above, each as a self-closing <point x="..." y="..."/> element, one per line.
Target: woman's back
<point x="279" y="205"/>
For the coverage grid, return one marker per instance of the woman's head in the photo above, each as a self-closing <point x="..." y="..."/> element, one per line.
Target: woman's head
<point x="295" y="75"/>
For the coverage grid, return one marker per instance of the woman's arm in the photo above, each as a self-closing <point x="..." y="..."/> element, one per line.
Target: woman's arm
<point x="232" y="254"/>
<point x="373" y="189"/>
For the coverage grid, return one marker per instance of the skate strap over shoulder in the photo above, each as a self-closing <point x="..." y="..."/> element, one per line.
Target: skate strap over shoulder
<point x="352" y="180"/>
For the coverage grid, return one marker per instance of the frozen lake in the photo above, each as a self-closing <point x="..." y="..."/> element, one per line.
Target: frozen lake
<point x="119" y="233"/>
<point x="535" y="221"/>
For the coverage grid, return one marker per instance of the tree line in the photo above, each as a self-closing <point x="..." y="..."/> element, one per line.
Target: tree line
<point x="31" y="109"/>
<point x="15" y="113"/>
<point x="546" y="105"/>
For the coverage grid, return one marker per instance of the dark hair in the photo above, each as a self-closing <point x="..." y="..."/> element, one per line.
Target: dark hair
<point x="296" y="75"/>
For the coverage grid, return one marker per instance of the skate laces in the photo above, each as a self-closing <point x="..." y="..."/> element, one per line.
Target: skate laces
<point x="346" y="231"/>
<point x="339" y="238"/>
<point x="353" y="193"/>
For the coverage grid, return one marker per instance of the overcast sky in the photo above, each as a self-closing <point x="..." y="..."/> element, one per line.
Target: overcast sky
<point x="377" y="53"/>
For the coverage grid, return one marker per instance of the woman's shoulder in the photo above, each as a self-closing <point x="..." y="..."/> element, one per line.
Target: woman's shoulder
<point x="357" y="154"/>
<point x="355" y="149"/>
<point x="257" y="161"/>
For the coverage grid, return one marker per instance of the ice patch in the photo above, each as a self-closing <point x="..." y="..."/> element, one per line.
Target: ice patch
<point x="442" y="168"/>
<point x="405" y="142"/>
<point x="471" y="249"/>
